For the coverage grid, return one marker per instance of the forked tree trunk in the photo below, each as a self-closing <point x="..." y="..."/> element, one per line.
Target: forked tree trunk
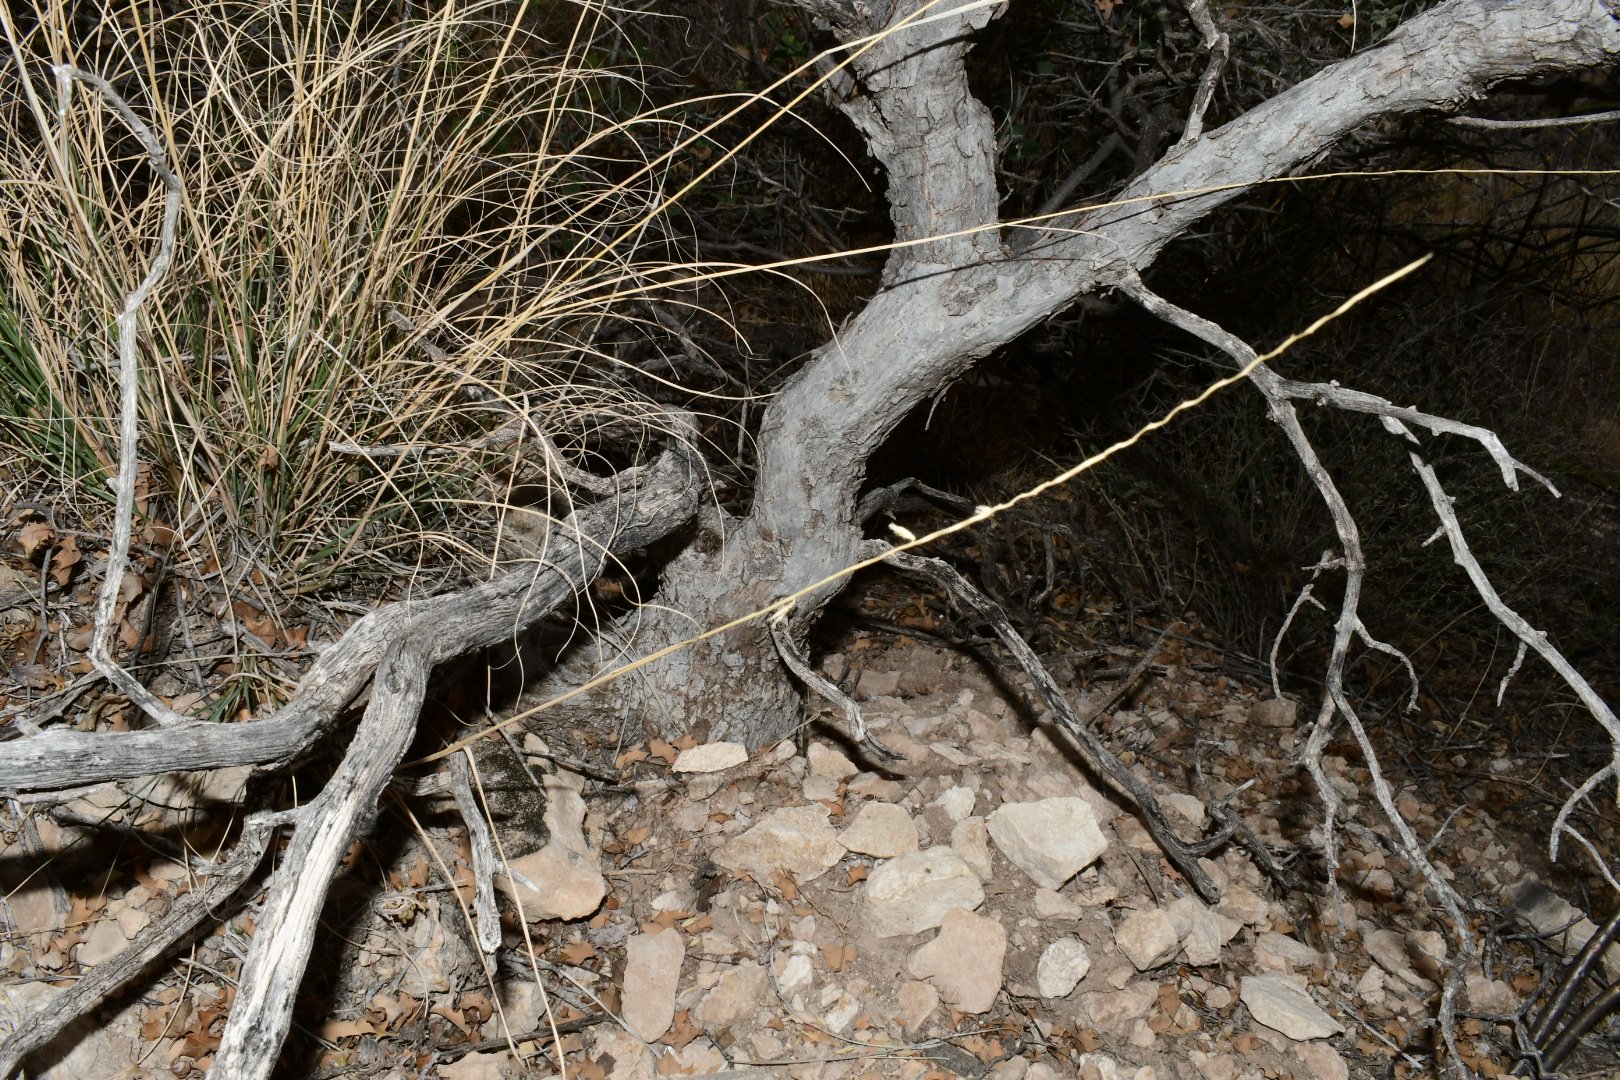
<point x="957" y="287"/>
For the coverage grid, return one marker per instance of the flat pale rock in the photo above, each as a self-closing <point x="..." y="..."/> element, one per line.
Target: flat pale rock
<point x="917" y="1001"/>
<point x="1388" y="947"/>
<point x="825" y="761"/>
<point x="563" y="880"/>
<point x="795" y="840"/>
<point x="1243" y="904"/>
<point x="1282" y="1004"/>
<point x="1279" y="952"/>
<point x="1051" y="840"/>
<point x="1275" y="713"/>
<point x="1054" y="905"/>
<point x="956" y="802"/>
<point x="710" y="757"/>
<point x="882" y="830"/>
<point x="914" y="892"/>
<point x="964" y="961"/>
<point x="1147" y="938"/>
<point x="1114" y="1013"/>
<point x="1324" y="1062"/>
<point x="1203" y="930"/>
<point x="1061" y="967"/>
<point x="652" y="971"/>
<point x="736" y="995"/>
<point x="970" y="838"/>
<point x="556" y="882"/>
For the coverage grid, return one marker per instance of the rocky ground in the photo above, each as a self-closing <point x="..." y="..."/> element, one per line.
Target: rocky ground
<point x="980" y="908"/>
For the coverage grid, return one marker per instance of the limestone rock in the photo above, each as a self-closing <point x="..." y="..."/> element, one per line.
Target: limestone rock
<point x="563" y="880"/>
<point x="912" y="893"/>
<point x="1279" y="952"/>
<point x="883" y="830"/>
<point x="917" y="1001"/>
<point x="710" y="757"/>
<point x="1050" y="840"/>
<point x="1061" y="967"/>
<point x="1275" y="713"/>
<point x="1281" y="1003"/>
<point x="956" y="802"/>
<point x="652" y="970"/>
<point x="1202" y="930"/>
<point x="825" y="761"/>
<point x="1388" y="948"/>
<point x="1322" y="1061"/>
<point x="1114" y="1013"/>
<point x="736" y="995"/>
<point x="964" y="961"/>
<point x="970" y="838"/>
<point x="1054" y="905"/>
<point x="1147" y="938"/>
<point x="796" y="841"/>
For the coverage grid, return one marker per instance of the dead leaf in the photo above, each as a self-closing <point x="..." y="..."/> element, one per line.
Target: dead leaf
<point x="577" y="952"/>
<point x="663" y="751"/>
<point x="630" y="757"/>
<point x="256" y="622"/>
<point x="33" y="536"/>
<point x="67" y="557"/>
<point x="682" y="1031"/>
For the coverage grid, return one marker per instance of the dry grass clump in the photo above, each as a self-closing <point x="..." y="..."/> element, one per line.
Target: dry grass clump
<point x="400" y="227"/>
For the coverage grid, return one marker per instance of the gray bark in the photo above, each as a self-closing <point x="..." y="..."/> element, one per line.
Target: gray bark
<point x="961" y="284"/>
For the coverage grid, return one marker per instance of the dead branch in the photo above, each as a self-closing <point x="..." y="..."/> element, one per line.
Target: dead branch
<point x="128" y="322"/>
<point x="1182" y="856"/>
<point x="1348" y="627"/>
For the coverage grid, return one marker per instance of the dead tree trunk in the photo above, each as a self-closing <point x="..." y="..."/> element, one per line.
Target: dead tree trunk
<point x="960" y="283"/>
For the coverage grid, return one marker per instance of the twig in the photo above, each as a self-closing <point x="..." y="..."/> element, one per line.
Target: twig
<point x="1483" y="124"/>
<point x="1219" y="46"/>
<point x="486" y="922"/>
<point x="128" y="323"/>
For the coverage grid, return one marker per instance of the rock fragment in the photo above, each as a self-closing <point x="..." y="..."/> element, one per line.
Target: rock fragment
<point x="736" y="995"/>
<point x="1275" y="713"/>
<point x="1147" y="938"/>
<point x="1061" y="967"/>
<point x="970" y="838"/>
<point x="1322" y="1061"/>
<point x="882" y="830"/>
<point x="652" y="971"/>
<point x="917" y="1001"/>
<point x="913" y="893"/>
<point x="964" y="961"/>
<point x="825" y="761"/>
<point x="710" y="757"/>
<point x="563" y="880"/>
<point x="1202" y="930"/>
<point x="795" y="840"/>
<point x="1050" y="840"/>
<point x="1282" y="1004"/>
<point x="1115" y="1012"/>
